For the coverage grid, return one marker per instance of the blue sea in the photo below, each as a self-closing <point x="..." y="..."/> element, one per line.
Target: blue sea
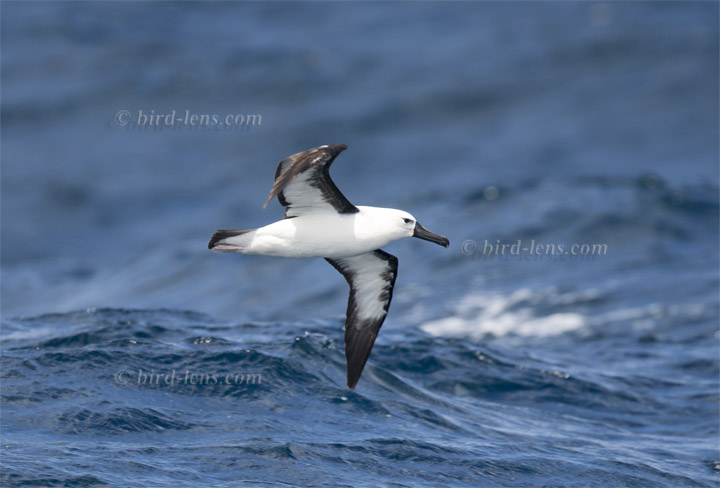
<point x="567" y="338"/>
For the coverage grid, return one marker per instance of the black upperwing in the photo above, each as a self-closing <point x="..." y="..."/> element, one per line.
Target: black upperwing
<point x="303" y="183"/>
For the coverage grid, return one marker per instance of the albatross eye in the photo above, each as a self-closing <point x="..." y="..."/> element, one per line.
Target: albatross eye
<point x="407" y="221"/>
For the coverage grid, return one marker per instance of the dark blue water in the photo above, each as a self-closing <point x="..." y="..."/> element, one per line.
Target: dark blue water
<point x="133" y="356"/>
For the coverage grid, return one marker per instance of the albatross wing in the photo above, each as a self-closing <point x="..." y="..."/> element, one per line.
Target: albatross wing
<point x="303" y="183"/>
<point x="371" y="277"/>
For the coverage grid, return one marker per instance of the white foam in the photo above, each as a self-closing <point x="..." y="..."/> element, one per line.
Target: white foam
<point x="478" y="315"/>
<point x="504" y="324"/>
<point x="30" y="333"/>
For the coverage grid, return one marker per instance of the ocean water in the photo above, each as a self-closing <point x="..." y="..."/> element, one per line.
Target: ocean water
<point x="567" y="338"/>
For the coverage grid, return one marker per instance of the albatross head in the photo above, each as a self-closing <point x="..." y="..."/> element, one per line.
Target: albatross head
<point x="403" y="225"/>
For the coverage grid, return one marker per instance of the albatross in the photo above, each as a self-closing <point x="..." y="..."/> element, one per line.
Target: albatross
<point x="320" y="222"/>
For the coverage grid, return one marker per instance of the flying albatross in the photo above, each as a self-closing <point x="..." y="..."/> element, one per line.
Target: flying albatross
<point x="320" y="222"/>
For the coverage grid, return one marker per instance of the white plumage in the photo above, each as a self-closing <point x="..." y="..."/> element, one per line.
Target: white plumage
<point x="320" y="222"/>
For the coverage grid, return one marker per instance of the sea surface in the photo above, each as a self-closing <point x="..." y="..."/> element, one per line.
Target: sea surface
<point x="580" y="137"/>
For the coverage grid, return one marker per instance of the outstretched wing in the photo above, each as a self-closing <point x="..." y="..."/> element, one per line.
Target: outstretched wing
<point x="371" y="277"/>
<point x="303" y="183"/>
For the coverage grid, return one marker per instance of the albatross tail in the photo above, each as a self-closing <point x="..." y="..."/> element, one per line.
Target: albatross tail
<point x="230" y="240"/>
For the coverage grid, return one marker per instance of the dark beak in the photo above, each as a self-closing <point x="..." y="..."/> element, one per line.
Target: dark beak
<point x="422" y="233"/>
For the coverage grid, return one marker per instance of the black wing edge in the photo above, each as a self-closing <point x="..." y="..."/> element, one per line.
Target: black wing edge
<point x="359" y="341"/>
<point x="301" y="162"/>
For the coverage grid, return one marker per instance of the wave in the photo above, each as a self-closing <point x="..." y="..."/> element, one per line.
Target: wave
<point x="438" y="401"/>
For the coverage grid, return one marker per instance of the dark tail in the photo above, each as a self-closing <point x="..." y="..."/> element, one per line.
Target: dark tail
<point x="219" y="235"/>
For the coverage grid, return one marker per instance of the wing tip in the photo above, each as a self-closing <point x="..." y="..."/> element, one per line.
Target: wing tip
<point x="353" y="374"/>
<point x="358" y="346"/>
<point x="337" y="148"/>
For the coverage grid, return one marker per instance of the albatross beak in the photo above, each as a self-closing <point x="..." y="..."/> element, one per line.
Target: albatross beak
<point x="422" y="233"/>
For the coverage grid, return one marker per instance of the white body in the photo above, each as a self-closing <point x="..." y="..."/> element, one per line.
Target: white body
<point x="321" y="223"/>
<point x="323" y="234"/>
